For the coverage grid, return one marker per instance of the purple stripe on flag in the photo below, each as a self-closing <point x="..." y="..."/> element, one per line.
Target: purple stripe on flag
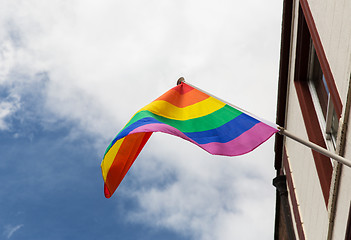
<point x="244" y="143"/>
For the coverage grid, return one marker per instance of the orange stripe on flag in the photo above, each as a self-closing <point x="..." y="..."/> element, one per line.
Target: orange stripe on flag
<point x="182" y="100"/>
<point x="125" y="157"/>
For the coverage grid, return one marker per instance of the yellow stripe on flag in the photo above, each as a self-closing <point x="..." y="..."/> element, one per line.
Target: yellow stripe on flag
<point x="165" y="109"/>
<point x="109" y="157"/>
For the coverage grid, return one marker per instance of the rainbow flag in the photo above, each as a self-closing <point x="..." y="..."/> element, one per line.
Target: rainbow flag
<point x="192" y="115"/>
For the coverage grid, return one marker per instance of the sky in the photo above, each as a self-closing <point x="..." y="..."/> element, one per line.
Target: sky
<point x="72" y="73"/>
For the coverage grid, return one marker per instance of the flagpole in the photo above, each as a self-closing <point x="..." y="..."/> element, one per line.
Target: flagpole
<point x="282" y="131"/>
<point x="315" y="147"/>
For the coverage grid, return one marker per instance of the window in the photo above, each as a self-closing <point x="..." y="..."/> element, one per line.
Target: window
<point x="308" y="80"/>
<point x="321" y="97"/>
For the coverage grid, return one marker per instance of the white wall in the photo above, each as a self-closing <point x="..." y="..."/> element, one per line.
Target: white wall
<point x="332" y="18"/>
<point x="333" y="22"/>
<point x="313" y="210"/>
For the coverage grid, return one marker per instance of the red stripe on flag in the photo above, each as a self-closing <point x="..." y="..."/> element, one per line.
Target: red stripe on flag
<point x="183" y="100"/>
<point x="125" y="157"/>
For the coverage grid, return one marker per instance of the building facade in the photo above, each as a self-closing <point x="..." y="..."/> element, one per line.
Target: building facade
<point x="314" y="96"/>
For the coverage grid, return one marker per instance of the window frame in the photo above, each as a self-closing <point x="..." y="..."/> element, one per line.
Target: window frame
<point x="314" y="131"/>
<point x="321" y="98"/>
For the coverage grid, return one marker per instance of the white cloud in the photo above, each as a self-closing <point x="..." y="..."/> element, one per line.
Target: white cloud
<point x="106" y="59"/>
<point x="203" y="196"/>
<point x="6" y="59"/>
<point x="8" y="106"/>
<point x="9" y="230"/>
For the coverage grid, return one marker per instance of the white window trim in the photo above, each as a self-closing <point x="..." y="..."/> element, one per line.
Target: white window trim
<point x="325" y="125"/>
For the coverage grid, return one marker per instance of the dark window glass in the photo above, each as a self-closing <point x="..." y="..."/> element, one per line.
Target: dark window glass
<point x="316" y="78"/>
<point x="318" y="81"/>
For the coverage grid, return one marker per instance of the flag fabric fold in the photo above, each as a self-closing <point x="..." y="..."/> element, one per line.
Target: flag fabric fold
<point x="191" y="114"/>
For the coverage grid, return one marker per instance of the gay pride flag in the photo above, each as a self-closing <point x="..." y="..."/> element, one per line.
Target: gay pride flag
<point x="192" y="115"/>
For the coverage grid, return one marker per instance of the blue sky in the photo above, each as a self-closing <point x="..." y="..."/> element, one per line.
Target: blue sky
<point x="51" y="185"/>
<point x="72" y="73"/>
<point x="51" y="189"/>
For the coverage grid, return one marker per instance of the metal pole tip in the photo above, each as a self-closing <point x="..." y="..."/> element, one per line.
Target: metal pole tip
<point x="180" y="80"/>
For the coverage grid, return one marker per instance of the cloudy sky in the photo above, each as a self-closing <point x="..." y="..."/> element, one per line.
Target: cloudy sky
<point x="73" y="72"/>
